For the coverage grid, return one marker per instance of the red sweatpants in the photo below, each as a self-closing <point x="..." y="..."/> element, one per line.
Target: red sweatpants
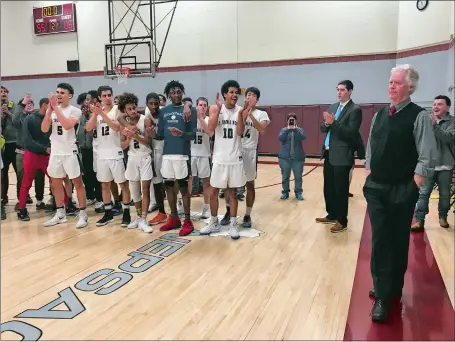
<point x="32" y="163"/>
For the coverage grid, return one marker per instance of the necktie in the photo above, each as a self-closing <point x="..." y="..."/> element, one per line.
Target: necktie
<point x="392" y="111"/>
<point x="337" y="114"/>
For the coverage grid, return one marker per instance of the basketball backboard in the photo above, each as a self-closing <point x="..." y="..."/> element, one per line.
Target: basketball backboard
<point x="137" y="56"/>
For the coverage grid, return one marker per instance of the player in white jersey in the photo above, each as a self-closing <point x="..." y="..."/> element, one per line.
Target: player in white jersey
<point x="64" y="161"/>
<point x="109" y="162"/>
<point x="256" y="122"/>
<point x="139" y="166"/>
<point x="152" y="112"/>
<point x="200" y="154"/>
<point x="226" y="121"/>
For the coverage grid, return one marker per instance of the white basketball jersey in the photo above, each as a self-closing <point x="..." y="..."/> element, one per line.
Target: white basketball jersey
<point x="136" y="148"/>
<point x="156" y="144"/>
<point x="63" y="142"/>
<point x="108" y="141"/>
<point x="250" y="137"/>
<point x="227" y="148"/>
<point x="200" y="146"/>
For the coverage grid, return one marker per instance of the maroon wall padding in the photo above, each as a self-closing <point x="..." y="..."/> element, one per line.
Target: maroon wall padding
<point x="309" y="118"/>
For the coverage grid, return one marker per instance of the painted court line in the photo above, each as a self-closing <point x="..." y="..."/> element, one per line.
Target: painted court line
<point x="426" y="310"/>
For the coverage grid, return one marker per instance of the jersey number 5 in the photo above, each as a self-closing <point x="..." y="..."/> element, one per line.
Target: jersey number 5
<point x="136" y="144"/>
<point x="228" y="133"/>
<point x="59" y="130"/>
<point x="198" y="140"/>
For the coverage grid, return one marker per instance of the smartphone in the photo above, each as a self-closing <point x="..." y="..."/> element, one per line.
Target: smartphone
<point x="291" y="122"/>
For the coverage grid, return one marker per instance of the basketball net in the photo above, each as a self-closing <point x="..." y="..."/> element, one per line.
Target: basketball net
<point x="122" y="74"/>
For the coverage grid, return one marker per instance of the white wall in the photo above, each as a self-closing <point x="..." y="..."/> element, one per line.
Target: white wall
<point x="216" y="32"/>
<point x="420" y="28"/>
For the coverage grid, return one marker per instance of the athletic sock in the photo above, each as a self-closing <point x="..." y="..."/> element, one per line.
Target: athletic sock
<point x="233" y="221"/>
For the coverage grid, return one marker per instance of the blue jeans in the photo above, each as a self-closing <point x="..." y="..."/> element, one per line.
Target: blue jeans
<point x="444" y="181"/>
<point x="288" y="165"/>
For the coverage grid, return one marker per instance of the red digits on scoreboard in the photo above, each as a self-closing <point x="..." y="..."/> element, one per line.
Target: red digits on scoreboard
<point x="41" y="27"/>
<point x="68" y="25"/>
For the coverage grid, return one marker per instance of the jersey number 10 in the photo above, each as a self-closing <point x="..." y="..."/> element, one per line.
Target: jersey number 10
<point x="228" y="133"/>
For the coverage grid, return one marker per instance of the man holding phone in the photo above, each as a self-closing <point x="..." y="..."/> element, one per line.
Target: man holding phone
<point x="342" y="124"/>
<point x="292" y="157"/>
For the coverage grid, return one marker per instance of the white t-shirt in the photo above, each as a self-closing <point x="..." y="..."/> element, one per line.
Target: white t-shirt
<point x="200" y="146"/>
<point x="250" y="137"/>
<point x="108" y="141"/>
<point x="227" y="148"/>
<point x="156" y="144"/>
<point x="136" y="148"/>
<point x="63" y="142"/>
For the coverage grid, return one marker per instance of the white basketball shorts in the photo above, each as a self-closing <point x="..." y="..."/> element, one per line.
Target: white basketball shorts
<point x="139" y="168"/>
<point x="227" y="176"/>
<point x="62" y="166"/>
<point x="111" y="170"/>
<point x="250" y="163"/>
<point x="95" y="157"/>
<point x="173" y="169"/>
<point x="200" y="167"/>
<point x="157" y="162"/>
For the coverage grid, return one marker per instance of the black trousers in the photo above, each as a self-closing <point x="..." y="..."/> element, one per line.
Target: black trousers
<point x="336" y="190"/>
<point x="391" y="209"/>
<point x="9" y="157"/>
<point x="92" y="186"/>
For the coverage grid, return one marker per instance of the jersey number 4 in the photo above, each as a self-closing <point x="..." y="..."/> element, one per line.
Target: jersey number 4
<point x="198" y="140"/>
<point x="246" y="134"/>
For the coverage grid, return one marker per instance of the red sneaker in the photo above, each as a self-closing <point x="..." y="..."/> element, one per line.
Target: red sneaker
<point x="171" y="223"/>
<point x="187" y="228"/>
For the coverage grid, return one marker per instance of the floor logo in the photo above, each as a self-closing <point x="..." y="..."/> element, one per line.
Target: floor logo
<point x="152" y="253"/>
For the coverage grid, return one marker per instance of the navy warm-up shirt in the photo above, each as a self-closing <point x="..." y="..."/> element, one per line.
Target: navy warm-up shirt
<point x="172" y="116"/>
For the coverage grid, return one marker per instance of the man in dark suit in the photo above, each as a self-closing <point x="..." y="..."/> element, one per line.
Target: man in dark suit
<point x="342" y="124"/>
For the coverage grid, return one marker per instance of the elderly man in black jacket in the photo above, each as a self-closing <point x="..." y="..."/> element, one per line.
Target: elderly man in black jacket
<point x="342" y="124"/>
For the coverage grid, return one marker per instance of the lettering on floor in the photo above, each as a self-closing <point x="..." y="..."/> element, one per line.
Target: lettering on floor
<point x="140" y="260"/>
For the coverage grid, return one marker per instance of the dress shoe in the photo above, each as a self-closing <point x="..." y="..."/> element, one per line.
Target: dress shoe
<point x="380" y="311"/>
<point x="372" y="294"/>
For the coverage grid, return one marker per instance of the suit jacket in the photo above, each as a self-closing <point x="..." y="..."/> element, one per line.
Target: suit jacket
<point x="344" y="134"/>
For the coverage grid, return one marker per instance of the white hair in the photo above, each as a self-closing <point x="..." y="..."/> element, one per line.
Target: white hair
<point x="412" y="76"/>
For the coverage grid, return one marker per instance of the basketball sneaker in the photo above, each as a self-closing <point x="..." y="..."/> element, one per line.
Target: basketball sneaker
<point x="159" y="218"/>
<point x="171" y="223"/>
<point x="144" y="226"/>
<point x="58" y="218"/>
<point x="212" y="227"/>
<point x="187" y="228"/>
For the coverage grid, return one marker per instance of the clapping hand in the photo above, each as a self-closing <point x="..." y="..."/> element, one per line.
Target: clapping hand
<point x="52" y="100"/>
<point x="175" y="131"/>
<point x="328" y="118"/>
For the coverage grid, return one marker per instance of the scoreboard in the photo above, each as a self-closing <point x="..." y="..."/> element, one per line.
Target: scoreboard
<point x="54" y="19"/>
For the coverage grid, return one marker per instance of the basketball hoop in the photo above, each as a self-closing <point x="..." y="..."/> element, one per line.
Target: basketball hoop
<point x="122" y="74"/>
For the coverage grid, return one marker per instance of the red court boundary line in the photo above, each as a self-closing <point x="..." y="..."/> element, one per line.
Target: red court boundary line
<point x="426" y="309"/>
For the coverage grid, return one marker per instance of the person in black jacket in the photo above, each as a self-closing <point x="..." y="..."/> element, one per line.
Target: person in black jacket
<point x="360" y="149"/>
<point x="341" y="124"/>
<point x="37" y="149"/>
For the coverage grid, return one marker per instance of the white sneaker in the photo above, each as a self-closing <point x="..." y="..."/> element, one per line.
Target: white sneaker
<point x="134" y="224"/>
<point x="145" y="227"/>
<point x="234" y="231"/>
<point x="82" y="220"/>
<point x="90" y="202"/>
<point x="212" y="227"/>
<point x="205" y="214"/>
<point x="99" y="205"/>
<point x="58" y="218"/>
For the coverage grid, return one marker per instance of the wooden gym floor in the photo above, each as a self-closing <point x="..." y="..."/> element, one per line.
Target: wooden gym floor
<point x="297" y="281"/>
